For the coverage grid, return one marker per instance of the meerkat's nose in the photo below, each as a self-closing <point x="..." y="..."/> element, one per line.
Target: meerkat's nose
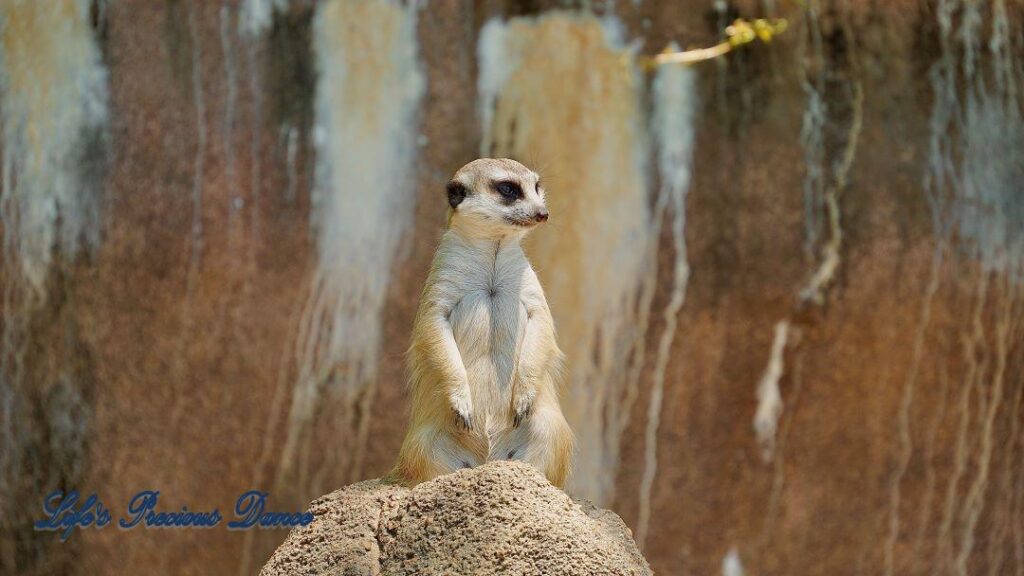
<point x="541" y="215"/>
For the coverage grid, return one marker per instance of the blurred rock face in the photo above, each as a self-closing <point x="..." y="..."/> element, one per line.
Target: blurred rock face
<point x="788" y="282"/>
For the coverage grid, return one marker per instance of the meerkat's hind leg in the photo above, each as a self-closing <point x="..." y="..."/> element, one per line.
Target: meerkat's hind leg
<point x="415" y="462"/>
<point x="510" y="444"/>
<point x="430" y="453"/>
<point x="453" y="456"/>
<point x="548" y="444"/>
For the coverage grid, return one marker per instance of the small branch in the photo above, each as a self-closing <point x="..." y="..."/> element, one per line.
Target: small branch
<point x="739" y="33"/>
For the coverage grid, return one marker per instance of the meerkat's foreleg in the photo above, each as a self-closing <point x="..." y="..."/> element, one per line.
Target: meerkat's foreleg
<point x="537" y="352"/>
<point x="440" y="348"/>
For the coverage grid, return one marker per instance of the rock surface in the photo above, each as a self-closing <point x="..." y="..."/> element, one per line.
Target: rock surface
<point x="501" y="518"/>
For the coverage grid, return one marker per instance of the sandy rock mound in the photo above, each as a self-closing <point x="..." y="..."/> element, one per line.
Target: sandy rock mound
<point x="502" y="518"/>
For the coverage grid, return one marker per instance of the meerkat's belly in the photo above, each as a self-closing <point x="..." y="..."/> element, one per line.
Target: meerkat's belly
<point x="488" y="328"/>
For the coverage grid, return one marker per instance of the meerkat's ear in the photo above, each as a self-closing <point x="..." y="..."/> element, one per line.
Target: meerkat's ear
<point x="457" y="192"/>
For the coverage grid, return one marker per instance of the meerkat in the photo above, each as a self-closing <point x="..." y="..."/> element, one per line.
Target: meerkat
<point x="484" y="363"/>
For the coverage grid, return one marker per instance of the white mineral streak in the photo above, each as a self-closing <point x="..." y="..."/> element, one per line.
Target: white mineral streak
<point x="367" y="98"/>
<point x="256" y="16"/>
<point x="54" y="98"/>
<point x="673" y="125"/>
<point x="769" y="398"/>
<point x="560" y="93"/>
<point x="731" y="563"/>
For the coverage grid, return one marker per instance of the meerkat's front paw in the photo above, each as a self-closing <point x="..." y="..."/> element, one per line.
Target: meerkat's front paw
<point x="463" y="410"/>
<point x="522" y="407"/>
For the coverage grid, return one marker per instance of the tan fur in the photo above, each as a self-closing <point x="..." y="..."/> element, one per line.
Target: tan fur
<point x="483" y="346"/>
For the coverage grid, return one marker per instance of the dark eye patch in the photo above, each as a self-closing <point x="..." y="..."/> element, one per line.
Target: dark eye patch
<point x="509" y="191"/>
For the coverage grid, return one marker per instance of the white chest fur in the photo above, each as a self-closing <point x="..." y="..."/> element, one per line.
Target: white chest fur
<point x="487" y="286"/>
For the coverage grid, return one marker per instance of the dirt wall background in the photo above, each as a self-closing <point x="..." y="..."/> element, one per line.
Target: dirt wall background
<point x="789" y="281"/>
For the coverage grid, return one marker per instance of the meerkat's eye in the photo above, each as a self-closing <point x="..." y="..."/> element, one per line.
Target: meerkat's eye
<point x="510" y="191"/>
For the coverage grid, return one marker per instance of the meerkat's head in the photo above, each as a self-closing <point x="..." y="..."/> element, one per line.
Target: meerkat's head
<point x="495" y="197"/>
